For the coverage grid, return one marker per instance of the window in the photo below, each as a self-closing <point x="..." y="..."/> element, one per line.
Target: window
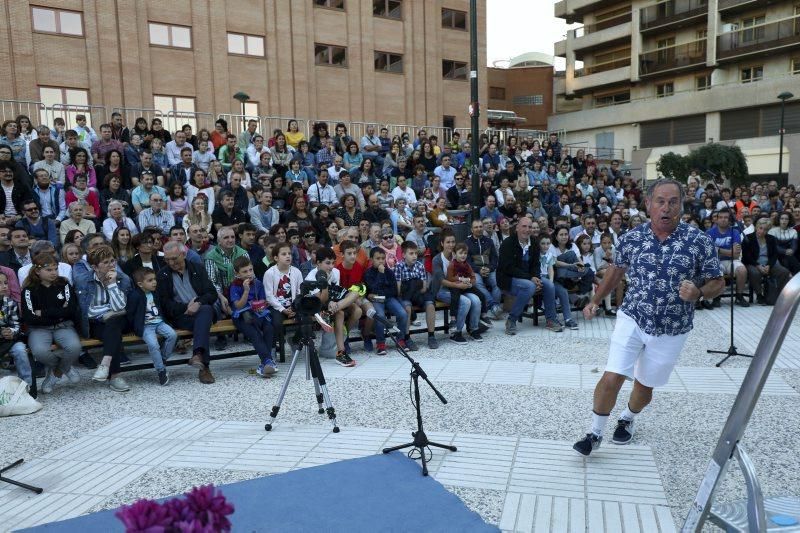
<point x="57" y="21"/>
<point x="702" y="83"/>
<point x="250" y="111"/>
<point x="179" y="110"/>
<point x="759" y="121"/>
<point x="612" y="99"/>
<point x="751" y="74"/>
<point x="387" y="8"/>
<point x="456" y="20"/>
<point x="681" y="130"/>
<point x="168" y="35"/>
<point x="796" y="65"/>
<point x="497" y="93"/>
<point x="665" y="89"/>
<point x="333" y="4"/>
<point x="449" y="121"/>
<point x="388" y="62"/>
<point x="248" y="45"/>
<point x="329" y="54"/>
<point x="535" y="99"/>
<point x="666" y="50"/>
<point x="750" y="33"/>
<point x="454" y="70"/>
<point x="67" y="102"/>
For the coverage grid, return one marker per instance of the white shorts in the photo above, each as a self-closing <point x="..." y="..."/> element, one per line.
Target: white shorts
<point x="725" y="266"/>
<point x="647" y="358"/>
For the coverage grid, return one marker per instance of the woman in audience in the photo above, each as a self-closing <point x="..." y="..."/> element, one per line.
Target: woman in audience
<point x="49" y="306"/>
<point x="299" y="213"/>
<point x="216" y="176"/>
<point x="296" y="174"/>
<point x="158" y="132"/>
<point x="200" y="185"/>
<point x="402" y="218"/>
<point x="786" y="237"/>
<point x="80" y="192"/>
<point x="79" y="164"/>
<point x="122" y="246"/>
<point x="115" y="166"/>
<point x="293" y="134"/>
<point x="427" y="158"/>
<point x="760" y="254"/>
<point x="74" y="236"/>
<point x="112" y="190"/>
<point x="439" y="217"/>
<point x="352" y="158"/>
<point x="308" y="161"/>
<point x="146" y="255"/>
<point x="198" y="214"/>
<point x="102" y="299"/>
<point x="281" y="155"/>
<point x="238" y="166"/>
<point x="76" y="221"/>
<point x="319" y="137"/>
<point x="140" y="128"/>
<point x="349" y="214"/>
<point x="26" y="129"/>
<point x="264" y="171"/>
<point x="469" y="306"/>
<point x="279" y="232"/>
<point x="329" y="236"/>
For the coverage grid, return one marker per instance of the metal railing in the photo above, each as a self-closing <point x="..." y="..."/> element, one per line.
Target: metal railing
<point x="671" y="11"/>
<point x="95" y="114"/>
<point x="588" y="29"/>
<point x="130" y="114"/>
<point x="728" y="445"/>
<point x="11" y="109"/>
<point x="238" y="123"/>
<point x="176" y="119"/>
<point x="673" y="57"/>
<point x="756" y="39"/>
<point x="604" y="66"/>
<point x="270" y="124"/>
<point x="728" y="4"/>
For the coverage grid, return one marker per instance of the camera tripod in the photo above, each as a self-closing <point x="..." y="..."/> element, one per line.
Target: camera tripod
<point x="420" y="441"/>
<point x="304" y="342"/>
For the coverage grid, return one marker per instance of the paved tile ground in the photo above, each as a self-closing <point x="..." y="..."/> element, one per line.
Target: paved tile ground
<point x="516" y="406"/>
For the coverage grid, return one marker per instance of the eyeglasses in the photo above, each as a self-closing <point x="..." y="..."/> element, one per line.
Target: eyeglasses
<point x="387" y="237"/>
<point x="307" y="235"/>
<point x="31" y="209"/>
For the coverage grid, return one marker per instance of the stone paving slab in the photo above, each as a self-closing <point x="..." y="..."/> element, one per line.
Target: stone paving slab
<point x="547" y="484"/>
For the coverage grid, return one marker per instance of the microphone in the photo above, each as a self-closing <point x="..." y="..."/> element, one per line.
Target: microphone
<point x="391" y="327"/>
<point x="321" y="321"/>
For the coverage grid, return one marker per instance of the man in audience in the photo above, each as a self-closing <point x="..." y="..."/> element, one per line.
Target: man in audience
<point x="17" y="191"/>
<point x="188" y="297"/>
<point x="263" y="216"/>
<point x="49" y="197"/>
<point x="446" y="173"/>
<point x="174" y="150"/>
<point x="146" y="166"/>
<point x="225" y="214"/>
<point x="482" y="257"/>
<point x="185" y="169"/>
<point x="728" y="242"/>
<point x="141" y="195"/>
<point x="35" y="150"/>
<point x="36" y="226"/>
<point x="104" y="145"/>
<point x="321" y="192"/>
<point x="119" y="131"/>
<point x="156" y="215"/>
<point x="71" y="141"/>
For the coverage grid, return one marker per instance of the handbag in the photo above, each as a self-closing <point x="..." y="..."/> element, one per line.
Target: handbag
<point x="14" y="398"/>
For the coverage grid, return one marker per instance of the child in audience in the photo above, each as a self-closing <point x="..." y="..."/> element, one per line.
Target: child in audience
<point x="50" y="309"/>
<point x="344" y="307"/>
<point x="251" y="315"/>
<point x="147" y="321"/>
<point x="460" y="271"/>
<point x="382" y="292"/>
<point x="351" y="274"/>
<point x="308" y="266"/>
<point x="412" y="286"/>
<point x="603" y="257"/>
<point x="282" y="285"/>
<point x="10" y="333"/>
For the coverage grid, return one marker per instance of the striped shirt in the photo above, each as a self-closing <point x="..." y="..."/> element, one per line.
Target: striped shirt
<point x="106" y="299"/>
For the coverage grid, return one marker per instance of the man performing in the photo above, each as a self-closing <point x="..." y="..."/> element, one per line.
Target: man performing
<point x="670" y="265"/>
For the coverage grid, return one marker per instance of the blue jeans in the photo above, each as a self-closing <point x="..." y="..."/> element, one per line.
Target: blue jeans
<point x="159" y="353"/>
<point x="19" y="354"/>
<point x="200" y="325"/>
<point x="522" y="290"/>
<point x="394" y="306"/>
<point x="469" y="305"/>
<point x="563" y="298"/>
<point x="259" y="333"/>
<point x="488" y="286"/>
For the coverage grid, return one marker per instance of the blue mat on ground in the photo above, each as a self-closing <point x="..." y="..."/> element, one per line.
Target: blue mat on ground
<point x="375" y="493"/>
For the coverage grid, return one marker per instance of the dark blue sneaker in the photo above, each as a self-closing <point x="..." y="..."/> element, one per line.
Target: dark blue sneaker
<point x="267" y="368"/>
<point x="368" y="346"/>
<point x="347" y="348"/>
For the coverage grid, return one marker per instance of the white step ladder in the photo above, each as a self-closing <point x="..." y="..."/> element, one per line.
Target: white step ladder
<point x="755" y="514"/>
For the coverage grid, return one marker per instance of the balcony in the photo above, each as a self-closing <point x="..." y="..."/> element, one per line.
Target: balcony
<point x="732" y="7"/>
<point x="763" y="39"/>
<point x="573" y="10"/>
<point x="600" y="75"/>
<point x="607" y="33"/>
<point x="671" y="15"/>
<point x="560" y="48"/>
<point x="673" y="59"/>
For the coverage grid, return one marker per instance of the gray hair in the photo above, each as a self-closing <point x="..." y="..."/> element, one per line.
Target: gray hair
<point x="40" y="246"/>
<point x="174" y="245"/>
<point x="651" y="189"/>
<point x="43" y="129"/>
<point x="89" y="238"/>
<point x="114" y="203"/>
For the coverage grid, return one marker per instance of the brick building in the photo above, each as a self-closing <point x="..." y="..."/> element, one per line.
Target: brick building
<point x="525" y="87"/>
<point x="391" y="61"/>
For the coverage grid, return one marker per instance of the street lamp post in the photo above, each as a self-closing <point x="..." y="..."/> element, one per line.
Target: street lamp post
<point x="242" y="97"/>
<point x="786" y="95"/>
<point x="474" y="107"/>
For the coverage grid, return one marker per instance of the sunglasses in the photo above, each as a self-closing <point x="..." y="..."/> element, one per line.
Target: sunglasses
<point x="307" y="235"/>
<point x="386" y="237"/>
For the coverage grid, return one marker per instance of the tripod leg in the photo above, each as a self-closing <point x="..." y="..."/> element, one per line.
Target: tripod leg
<point x="321" y="387"/>
<point x="277" y="407"/>
<point x="444" y="446"/>
<point x="317" y="391"/>
<point x="31" y="488"/>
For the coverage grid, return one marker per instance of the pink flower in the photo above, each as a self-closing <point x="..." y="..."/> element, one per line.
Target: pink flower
<point x="145" y="516"/>
<point x="209" y="507"/>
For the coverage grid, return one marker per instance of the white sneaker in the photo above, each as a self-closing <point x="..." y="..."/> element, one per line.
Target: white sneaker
<point x="101" y="374"/>
<point x="119" y="385"/>
<point x="73" y="376"/>
<point x="49" y="382"/>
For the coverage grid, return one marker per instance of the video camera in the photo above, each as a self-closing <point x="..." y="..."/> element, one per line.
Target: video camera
<point x="309" y="304"/>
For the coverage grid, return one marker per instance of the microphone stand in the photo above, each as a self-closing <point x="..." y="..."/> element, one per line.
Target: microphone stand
<point x="731" y="351"/>
<point x="420" y="442"/>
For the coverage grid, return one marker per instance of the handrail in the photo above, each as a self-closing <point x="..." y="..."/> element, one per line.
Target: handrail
<point x="780" y="320"/>
<point x="10" y="109"/>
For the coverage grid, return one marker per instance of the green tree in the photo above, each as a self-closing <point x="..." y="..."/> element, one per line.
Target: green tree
<point x="719" y="159"/>
<point x="672" y="165"/>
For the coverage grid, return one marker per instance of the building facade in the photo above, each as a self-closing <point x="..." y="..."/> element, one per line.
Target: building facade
<point x="388" y="61"/>
<point x="524" y="87"/>
<point x="668" y="76"/>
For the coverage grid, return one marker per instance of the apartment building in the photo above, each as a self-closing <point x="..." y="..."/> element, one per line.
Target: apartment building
<point x="668" y="76"/>
<point x="391" y="61"/>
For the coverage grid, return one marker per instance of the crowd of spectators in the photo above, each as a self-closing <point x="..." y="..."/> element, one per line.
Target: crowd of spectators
<point x="147" y="231"/>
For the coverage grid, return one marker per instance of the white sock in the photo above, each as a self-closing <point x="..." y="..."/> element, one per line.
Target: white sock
<point x="627" y="414"/>
<point x="599" y="423"/>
